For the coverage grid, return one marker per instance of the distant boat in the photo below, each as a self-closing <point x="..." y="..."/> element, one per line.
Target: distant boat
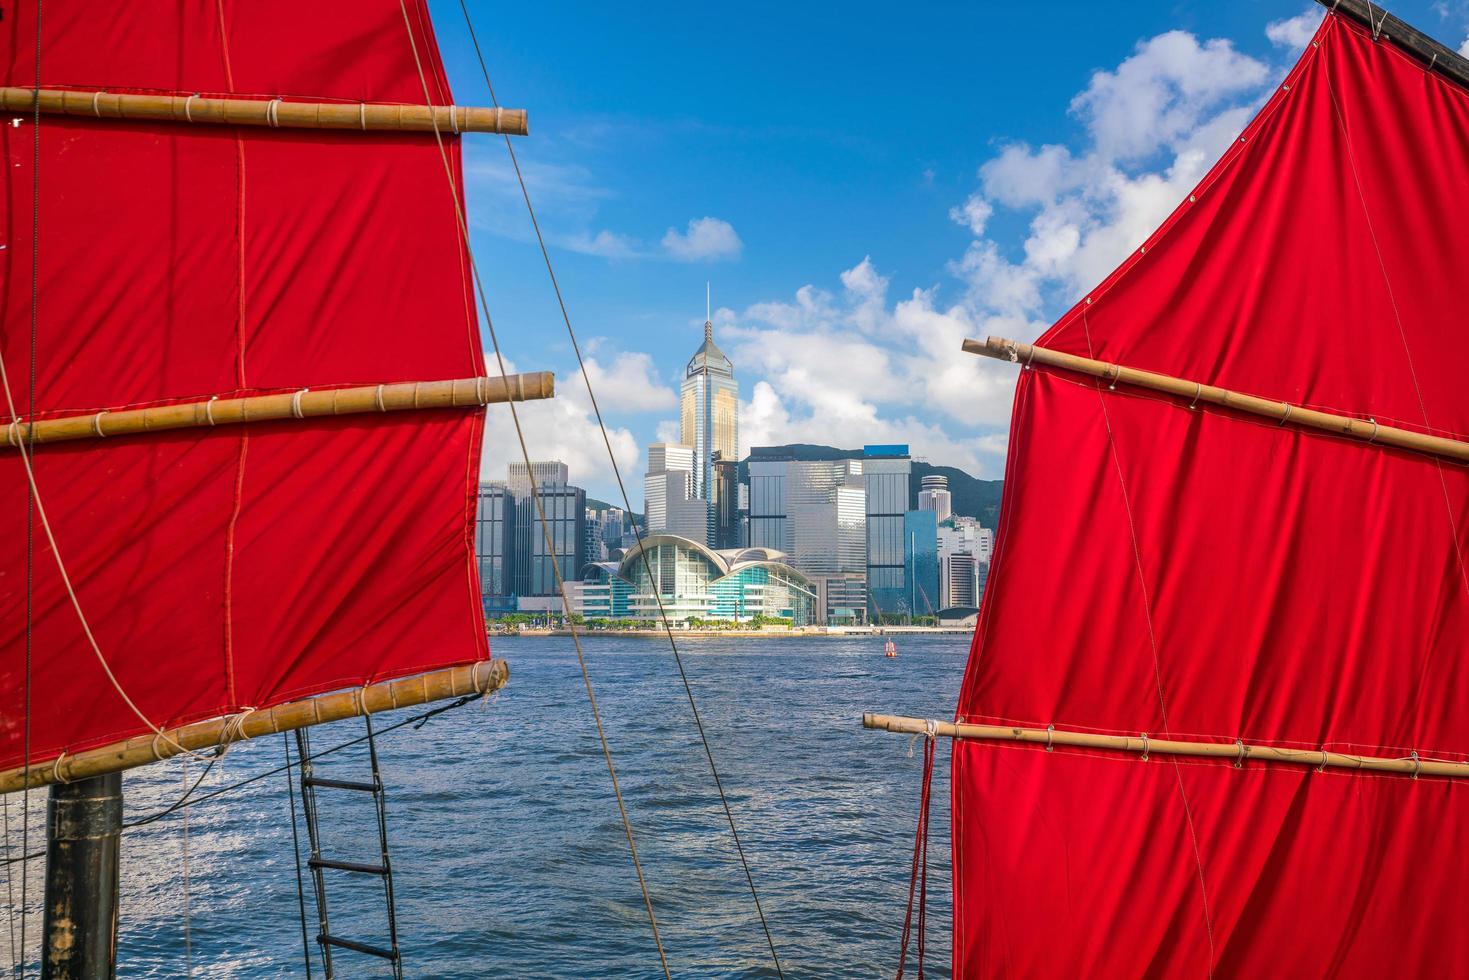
<point x="890" y="649"/>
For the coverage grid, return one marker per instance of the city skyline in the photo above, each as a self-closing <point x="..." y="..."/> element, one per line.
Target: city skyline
<point x="843" y="302"/>
<point x="837" y="541"/>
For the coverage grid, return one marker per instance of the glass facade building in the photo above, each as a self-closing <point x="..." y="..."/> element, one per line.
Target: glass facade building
<point x="934" y="495"/>
<point x="921" y="561"/>
<point x="887" y="471"/>
<point x="601" y="593"/>
<point x="515" y="561"/>
<point x="727" y="527"/>
<point x="494" y="544"/>
<point x="709" y="423"/>
<point x="815" y="511"/>
<point x="537" y="559"/>
<point x="669" y="500"/>
<point x="767" y="503"/>
<point x="691" y="581"/>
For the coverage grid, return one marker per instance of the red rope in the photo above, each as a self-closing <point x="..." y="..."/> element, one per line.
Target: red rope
<point x="918" y="879"/>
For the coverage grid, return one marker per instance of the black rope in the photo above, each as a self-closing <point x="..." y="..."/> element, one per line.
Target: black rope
<point x="180" y="802"/>
<point x="417" y="721"/>
<point x="9" y="885"/>
<point x="296" y="852"/>
<point x="626" y="500"/>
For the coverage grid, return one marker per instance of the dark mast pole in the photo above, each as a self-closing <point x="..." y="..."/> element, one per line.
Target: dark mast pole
<point x="84" y="830"/>
<point x="1383" y="25"/>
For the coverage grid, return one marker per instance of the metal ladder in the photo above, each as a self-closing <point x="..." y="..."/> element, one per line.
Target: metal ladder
<point x="319" y="865"/>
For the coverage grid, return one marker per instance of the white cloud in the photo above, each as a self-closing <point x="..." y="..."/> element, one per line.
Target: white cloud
<point x="707" y="240"/>
<point x="1464" y="48"/>
<point x="607" y="244"/>
<point x="855" y="365"/>
<point x="1155" y="124"/>
<point x="1162" y="92"/>
<point x="1019" y="178"/>
<point x="561" y="428"/>
<point x="972" y="214"/>
<point x="859" y="365"/>
<point x="629" y="384"/>
<point x="1294" y="33"/>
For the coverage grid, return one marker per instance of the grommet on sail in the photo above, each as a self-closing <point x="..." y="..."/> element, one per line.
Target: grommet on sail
<point x="1230" y="590"/>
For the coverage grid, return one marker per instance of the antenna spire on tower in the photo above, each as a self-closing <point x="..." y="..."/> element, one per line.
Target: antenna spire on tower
<point x="708" y="315"/>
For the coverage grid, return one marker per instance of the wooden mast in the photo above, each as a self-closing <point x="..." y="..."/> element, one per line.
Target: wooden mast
<point x="480" y="677"/>
<point x="1384" y="26"/>
<point x="1364" y="430"/>
<point x="1143" y="745"/>
<point x="400" y="397"/>
<point x="272" y="113"/>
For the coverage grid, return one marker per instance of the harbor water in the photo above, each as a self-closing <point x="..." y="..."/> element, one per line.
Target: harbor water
<point x="508" y="854"/>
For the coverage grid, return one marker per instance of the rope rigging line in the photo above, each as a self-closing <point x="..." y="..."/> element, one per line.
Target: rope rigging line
<point x="33" y="499"/>
<point x="296" y="853"/>
<point x="417" y="721"/>
<point x="622" y="489"/>
<point x="9" y="882"/>
<point x="540" y="507"/>
<point x="918" y="879"/>
<point x="184" y="833"/>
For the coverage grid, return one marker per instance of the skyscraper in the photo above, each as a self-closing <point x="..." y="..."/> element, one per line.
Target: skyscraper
<point x="933" y="494"/>
<point x="816" y="512"/>
<point x="517" y="569"/>
<point x="887" y="470"/>
<point x="669" y="502"/>
<point x="709" y="415"/>
<point x="494" y="545"/>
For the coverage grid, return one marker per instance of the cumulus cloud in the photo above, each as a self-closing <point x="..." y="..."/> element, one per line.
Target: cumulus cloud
<point x="1162" y="92"/>
<point x="862" y="364"/>
<point x="607" y="244"/>
<point x="1155" y="124"/>
<point x="706" y="240"/>
<point x="561" y="428"/>
<point x="630" y="383"/>
<point x="972" y="214"/>
<point x="1464" y="48"/>
<point x="1294" y="33"/>
<point x="855" y="363"/>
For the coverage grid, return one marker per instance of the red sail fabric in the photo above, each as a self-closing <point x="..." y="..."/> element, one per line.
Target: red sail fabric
<point x="245" y="566"/>
<point x="1208" y="575"/>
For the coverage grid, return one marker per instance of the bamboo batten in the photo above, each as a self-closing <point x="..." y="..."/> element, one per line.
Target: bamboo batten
<point x="399" y="397"/>
<point x="1144" y="746"/>
<point x="1365" y="430"/>
<point x="406" y="692"/>
<point x="274" y="113"/>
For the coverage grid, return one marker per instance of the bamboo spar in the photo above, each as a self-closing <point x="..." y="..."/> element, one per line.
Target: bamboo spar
<point x="1365" y="430"/>
<point x="480" y="677"/>
<point x="274" y="113"/>
<point x="404" y="396"/>
<point x="1144" y="746"/>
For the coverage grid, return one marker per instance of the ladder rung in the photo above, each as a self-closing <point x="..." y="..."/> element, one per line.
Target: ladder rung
<point x="387" y="954"/>
<point x="340" y="784"/>
<point x="367" y="869"/>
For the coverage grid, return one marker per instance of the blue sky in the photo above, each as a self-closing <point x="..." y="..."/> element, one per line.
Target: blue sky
<point x="864" y="184"/>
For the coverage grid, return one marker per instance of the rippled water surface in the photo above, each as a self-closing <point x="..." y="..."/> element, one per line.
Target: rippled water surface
<point x="508" y="853"/>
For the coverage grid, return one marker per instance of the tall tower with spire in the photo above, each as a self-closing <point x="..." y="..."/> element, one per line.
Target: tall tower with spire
<point x="709" y="420"/>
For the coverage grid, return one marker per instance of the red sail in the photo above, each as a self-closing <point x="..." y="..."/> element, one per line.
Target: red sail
<point x="244" y="566"/>
<point x="1214" y="576"/>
